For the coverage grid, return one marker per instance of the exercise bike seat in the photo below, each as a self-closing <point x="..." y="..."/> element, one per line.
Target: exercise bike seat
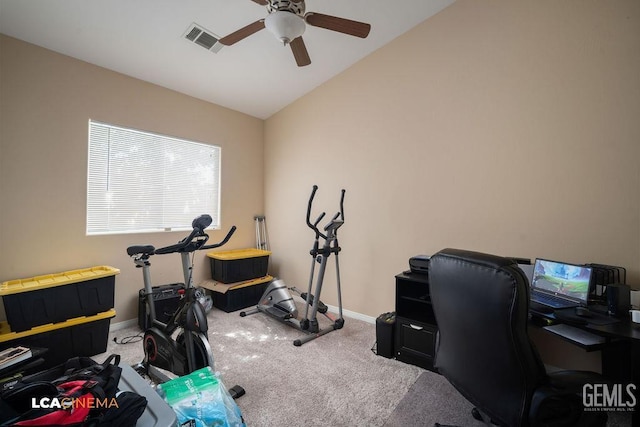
<point x="141" y="250"/>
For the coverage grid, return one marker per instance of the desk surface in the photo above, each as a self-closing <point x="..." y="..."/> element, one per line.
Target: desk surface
<point x="623" y="329"/>
<point x="620" y="354"/>
<point x="583" y="338"/>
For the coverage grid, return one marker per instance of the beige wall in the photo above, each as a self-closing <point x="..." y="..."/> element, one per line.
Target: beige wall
<point x="499" y="126"/>
<point x="46" y="102"/>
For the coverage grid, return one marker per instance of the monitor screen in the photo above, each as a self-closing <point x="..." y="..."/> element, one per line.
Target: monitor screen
<point x="562" y="279"/>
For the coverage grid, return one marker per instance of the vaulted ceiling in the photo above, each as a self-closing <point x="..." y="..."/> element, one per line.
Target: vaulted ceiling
<point x="146" y="39"/>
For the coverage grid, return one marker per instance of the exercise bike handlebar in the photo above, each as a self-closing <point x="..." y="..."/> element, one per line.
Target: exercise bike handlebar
<point x="223" y="242"/>
<point x="196" y="239"/>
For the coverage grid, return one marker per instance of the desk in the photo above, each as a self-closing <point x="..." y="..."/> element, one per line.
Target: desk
<point x="620" y="353"/>
<point x="625" y="329"/>
<point x="621" y="358"/>
<point x="622" y="338"/>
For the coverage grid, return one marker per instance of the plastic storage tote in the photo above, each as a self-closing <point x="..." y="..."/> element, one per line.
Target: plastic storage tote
<point x="236" y="296"/>
<point x="58" y="297"/>
<point x="239" y="265"/>
<point x="81" y="336"/>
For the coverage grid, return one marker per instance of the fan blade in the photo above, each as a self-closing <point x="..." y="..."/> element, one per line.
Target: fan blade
<point x="300" y="52"/>
<point x="242" y="33"/>
<point x="261" y="2"/>
<point x="341" y="25"/>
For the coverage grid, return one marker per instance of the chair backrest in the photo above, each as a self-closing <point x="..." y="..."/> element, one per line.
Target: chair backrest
<point x="481" y="306"/>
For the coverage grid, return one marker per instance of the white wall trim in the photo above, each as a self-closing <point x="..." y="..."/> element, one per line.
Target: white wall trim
<point x="347" y="313"/>
<point x="353" y="314"/>
<point x="122" y="325"/>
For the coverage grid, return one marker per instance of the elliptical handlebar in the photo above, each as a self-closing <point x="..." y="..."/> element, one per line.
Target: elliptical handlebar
<point x="338" y="215"/>
<point x="313" y="226"/>
<point x="317" y="221"/>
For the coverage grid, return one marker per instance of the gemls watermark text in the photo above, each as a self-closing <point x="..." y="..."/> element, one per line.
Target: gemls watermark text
<point x="609" y="397"/>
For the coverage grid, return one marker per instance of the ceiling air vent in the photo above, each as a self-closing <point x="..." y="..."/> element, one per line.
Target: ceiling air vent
<point x="202" y="37"/>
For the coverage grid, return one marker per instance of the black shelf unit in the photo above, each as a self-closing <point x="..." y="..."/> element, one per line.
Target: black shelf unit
<point x="416" y="328"/>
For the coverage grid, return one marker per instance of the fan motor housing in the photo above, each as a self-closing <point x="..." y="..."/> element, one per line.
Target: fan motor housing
<point x="286" y="5"/>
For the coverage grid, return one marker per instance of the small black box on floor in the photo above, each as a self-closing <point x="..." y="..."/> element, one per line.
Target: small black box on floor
<point x="57" y="297"/>
<point x="384" y="335"/>
<point x="82" y="336"/>
<point x="236" y="296"/>
<point x="166" y="299"/>
<point x="239" y="265"/>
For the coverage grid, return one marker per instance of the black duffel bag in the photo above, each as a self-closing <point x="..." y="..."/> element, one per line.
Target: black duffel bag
<point x="79" y="392"/>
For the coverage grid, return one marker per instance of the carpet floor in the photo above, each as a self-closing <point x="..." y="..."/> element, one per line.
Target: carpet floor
<point x="335" y="380"/>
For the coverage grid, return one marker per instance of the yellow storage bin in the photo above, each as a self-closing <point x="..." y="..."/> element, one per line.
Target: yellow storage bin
<point x="80" y="336"/>
<point x="238" y="265"/>
<point x="54" y="298"/>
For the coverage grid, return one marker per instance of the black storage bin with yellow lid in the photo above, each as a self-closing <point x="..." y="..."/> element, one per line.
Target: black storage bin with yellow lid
<point x="81" y="336"/>
<point x="238" y="265"/>
<point x="55" y="298"/>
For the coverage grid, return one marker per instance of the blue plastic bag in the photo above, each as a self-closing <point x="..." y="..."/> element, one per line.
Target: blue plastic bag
<point x="200" y="399"/>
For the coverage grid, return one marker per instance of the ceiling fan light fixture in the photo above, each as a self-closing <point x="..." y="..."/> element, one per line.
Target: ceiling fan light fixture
<point x="286" y="26"/>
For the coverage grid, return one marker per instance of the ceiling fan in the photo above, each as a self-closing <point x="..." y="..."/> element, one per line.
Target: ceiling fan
<point x="287" y="19"/>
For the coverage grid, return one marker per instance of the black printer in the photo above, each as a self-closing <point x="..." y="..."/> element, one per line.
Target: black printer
<point x="419" y="264"/>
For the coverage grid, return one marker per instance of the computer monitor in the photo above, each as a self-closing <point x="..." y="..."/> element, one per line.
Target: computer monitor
<point x="569" y="281"/>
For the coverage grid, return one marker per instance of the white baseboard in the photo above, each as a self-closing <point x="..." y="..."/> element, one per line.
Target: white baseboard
<point x="353" y="314"/>
<point x="347" y="313"/>
<point x="122" y="325"/>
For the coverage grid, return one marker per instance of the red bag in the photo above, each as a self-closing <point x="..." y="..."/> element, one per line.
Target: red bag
<point x="75" y="414"/>
<point x="78" y="393"/>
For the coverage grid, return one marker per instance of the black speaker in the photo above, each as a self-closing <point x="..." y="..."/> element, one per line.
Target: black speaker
<point x="618" y="299"/>
<point x="384" y="335"/>
<point x="166" y="299"/>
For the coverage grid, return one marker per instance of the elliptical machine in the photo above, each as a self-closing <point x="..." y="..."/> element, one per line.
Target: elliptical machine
<point x="277" y="301"/>
<point x="190" y="350"/>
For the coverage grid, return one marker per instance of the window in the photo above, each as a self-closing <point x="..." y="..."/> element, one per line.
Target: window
<point x="142" y="182"/>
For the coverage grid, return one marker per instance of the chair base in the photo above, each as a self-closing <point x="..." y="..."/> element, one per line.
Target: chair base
<point x="480" y="416"/>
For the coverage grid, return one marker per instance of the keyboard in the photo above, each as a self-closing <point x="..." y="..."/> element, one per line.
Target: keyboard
<point x="540" y="308"/>
<point x="548" y="300"/>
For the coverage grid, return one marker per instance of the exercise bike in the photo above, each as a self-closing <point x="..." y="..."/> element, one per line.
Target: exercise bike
<point x="190" y="350"/>
<point x="277" y="301"/>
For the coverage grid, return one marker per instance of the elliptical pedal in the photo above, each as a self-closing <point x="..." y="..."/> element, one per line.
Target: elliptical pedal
<point x="278" y="312"/>
<point x="322" y="307"/>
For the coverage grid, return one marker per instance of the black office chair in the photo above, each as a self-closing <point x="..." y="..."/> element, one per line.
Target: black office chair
<point x="481" y="305"/>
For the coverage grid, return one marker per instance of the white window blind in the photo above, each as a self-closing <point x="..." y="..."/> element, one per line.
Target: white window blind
<point x="142" y="182"/>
